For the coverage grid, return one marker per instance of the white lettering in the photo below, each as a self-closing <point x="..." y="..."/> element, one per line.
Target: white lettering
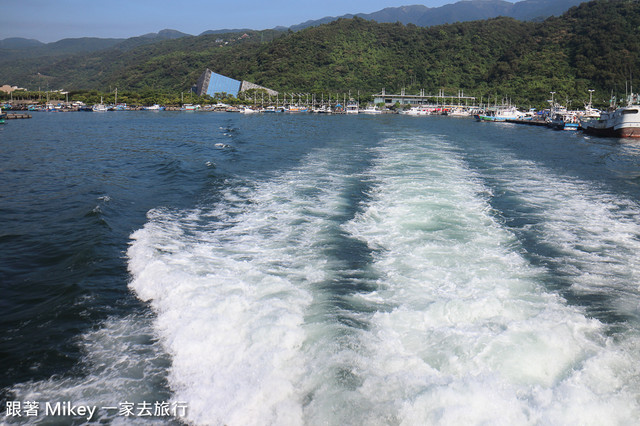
<point x="50" y="411"/>
<point x="68" y="409"/>
<point x="91" y="411"/>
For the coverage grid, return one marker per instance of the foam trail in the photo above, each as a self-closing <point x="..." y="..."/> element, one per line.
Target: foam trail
<point x="448" y="324"/>
<point x="231" y="286"/>
<point x="594" y="237"/>
<point x="471" y="336"/>
<point x="123" y="362"/>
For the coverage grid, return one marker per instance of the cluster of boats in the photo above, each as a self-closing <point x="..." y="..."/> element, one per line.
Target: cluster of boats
<point x="351" y="107"/>
<point x="623" y="122"/>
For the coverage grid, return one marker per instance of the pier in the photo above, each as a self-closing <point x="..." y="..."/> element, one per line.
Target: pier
<point x="16" y="116"/>
<point x="528" y="122"/>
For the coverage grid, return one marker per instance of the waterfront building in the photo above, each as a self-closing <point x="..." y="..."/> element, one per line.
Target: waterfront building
<point x="8" y="89"/>
<point x="422" y="99"/>
<point x="211" y="83"/>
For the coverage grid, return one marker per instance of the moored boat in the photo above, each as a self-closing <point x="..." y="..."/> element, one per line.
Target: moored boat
<point x="565" y="120"/>
<point x="459" y="112"/>
<point x="418" y="110"/>
<point x="624" y="122"/>
<point x="297" y="108"/>
<point x="99" y="107"/>
<point x="247" y="110"/>
<point x="352" y="107"/>
<point x="502" y="113"/>
<point x="370" y="109"/>
<point x="155" y="107"/>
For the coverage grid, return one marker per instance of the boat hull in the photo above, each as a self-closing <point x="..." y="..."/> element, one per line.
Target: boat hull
<point x="622" y="123"/>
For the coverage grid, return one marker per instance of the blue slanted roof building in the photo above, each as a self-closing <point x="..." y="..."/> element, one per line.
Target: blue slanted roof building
<point x="211" y="83"/>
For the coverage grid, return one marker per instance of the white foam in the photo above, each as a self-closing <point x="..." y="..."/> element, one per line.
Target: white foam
<point x="231" y="287"/>
<point x="459" y="328"/>
<point x="471" y="336"/>
<point x="595" y="235"/>
<point x="122" y="362"/>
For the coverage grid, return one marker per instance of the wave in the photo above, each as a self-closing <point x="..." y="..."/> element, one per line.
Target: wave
<point x="292" y="301"/>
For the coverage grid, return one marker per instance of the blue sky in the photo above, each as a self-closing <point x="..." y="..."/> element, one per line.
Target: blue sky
<point x="52" y="20"/>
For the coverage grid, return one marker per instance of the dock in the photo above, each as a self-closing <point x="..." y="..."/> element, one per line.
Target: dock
<point x="17" y="116"/>
<point x="528" y="122"/>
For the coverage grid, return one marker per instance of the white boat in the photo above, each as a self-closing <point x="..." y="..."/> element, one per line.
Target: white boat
<point x="99" y="107"/>
<point x="352" y="107"/>
<point x="324" y="109"/>
<point x="459" y="112"/>
<point x="502" y="113"/>
<point x="622" y="123"/>
<point x="564" y="120"/>
<point x="155" y="107"/>
<point x="418" y="110"/>
<point x="220" y="107"/>
<point x="370" y="109"/>
<point x="247" y="110"/>
<point x="190" y="107"/>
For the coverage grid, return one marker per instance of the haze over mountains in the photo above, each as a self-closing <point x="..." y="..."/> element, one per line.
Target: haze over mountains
<point x="423" y="16"/>
<point x="466" y="10"/>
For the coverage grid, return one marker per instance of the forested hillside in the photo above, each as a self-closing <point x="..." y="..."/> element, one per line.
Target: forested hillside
<point x="595" y="45"/>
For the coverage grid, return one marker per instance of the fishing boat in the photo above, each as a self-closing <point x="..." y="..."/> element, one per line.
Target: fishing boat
<point x="418" y="110"/>
<point x="155" y="107"/>
<point x="622" y="123"/>
<point x="564" y="120"/>
<point x="2" y="117"/>
<point x="99" y="107"/>
<point x="459" y="112"/>
<point x="352" y="107"/>
<point x="502" y="113"/>
<point x="297" y="108"/>
<point x="324" y="109"/>
<point x="370" y="109"/>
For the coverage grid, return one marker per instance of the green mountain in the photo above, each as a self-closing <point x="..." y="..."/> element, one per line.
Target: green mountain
<point x="461" y="11"/>
<point x="595" y="45"/>
<point x="19" y="43"/>
<point x="19" y="48"/>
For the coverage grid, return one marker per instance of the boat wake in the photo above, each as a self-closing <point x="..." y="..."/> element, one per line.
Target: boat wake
<point x="389" y="284"/>
<point x="449" y="321"/>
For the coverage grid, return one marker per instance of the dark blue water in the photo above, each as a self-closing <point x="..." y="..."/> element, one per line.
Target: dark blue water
<point x="273" y="193"/>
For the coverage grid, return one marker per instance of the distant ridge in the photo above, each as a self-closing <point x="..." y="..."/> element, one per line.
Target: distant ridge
<point x="166" y="35"/>
<point x="228" y="31"/>
<point x="462" y="11"/>
<point x="19" y="43"/>
<point x="15" y="48"/>
<point x="420" y="15"/>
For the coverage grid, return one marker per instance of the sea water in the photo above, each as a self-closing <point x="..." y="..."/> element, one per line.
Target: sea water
<point x="212" y="268"/>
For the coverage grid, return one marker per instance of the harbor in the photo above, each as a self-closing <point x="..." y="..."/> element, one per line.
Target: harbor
<point x="616" y="121"/>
